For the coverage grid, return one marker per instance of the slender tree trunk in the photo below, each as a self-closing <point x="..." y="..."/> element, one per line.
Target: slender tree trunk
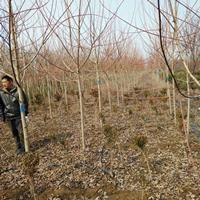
<point x="133" y="78"/>
<point x="174" y="95"/>
<point x="65" y="91"/>
<point x="188" y="107"/>
<point x="108" y="92"/>
<point x="28" y="90"/>
<point x="169" y="94"/>
<point x="14" y="57"/>
<point x="49" y="94"/>
<point x="123" y="77"/>
<point x="32" y="188"/>
<point x="117" y="87"/>
<point x="174" y="45"/>
<point x="43" y="90"/>
<point x="99" y="93"/>
<point x="188" y="122"/>
<point x="81" y="111"/>
<point x="187" y="145"/>
<point x="128" y="82"/>
<point x="79" y="81"/>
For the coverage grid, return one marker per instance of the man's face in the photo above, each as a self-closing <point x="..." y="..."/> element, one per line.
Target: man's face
<point x="6" y="84"/>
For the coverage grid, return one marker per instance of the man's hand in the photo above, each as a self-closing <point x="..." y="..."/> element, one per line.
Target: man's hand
<point x="26" y="119"/>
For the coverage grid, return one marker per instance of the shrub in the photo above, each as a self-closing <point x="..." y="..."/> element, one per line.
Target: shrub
<point x="110" y="133"/>
<point x="140" y="142"/>
<point x="38" y="99"/>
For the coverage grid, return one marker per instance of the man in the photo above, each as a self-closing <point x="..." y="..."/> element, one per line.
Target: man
<point x="10" y="110"/>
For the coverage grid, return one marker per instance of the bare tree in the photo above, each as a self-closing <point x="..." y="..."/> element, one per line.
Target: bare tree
<point x="77" y="37"/>
<point x="15" y="30"/>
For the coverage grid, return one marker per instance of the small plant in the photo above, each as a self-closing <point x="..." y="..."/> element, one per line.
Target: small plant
<point x="181" y="119"/>
<point x="29" y="163"/>
<point x="140" y="142"/>
<point x="102" y="117"/>
<point x="72" y="92"/>
<point x="181" y="78"/>
<point x="154" y="108"/>
<point x="146" y="93"/>
<point x="151" y="101"/>
<point x="94" y="93"/>
<point x="137" y="90"/>
<point x="114" y="108"/>
<point x="52" y="137"/>
<point x="130" y="111"/>
<point x="107" y="129"/>
<point x="163" y="92"/>
<point x="57" y="96"/>
<point x="38" y="99"/>
<point x="110" y="133"/>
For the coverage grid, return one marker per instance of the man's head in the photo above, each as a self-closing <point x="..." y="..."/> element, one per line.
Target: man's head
<point x="7" y="82"/>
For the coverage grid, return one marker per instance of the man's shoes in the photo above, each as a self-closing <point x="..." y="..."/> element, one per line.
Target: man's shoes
<point x="20" y="151"/>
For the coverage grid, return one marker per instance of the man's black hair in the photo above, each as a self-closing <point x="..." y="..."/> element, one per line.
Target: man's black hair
<point x="8" y="78"/>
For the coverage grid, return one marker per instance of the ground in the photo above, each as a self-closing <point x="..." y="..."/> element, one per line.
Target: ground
<point x="139" y="154"/>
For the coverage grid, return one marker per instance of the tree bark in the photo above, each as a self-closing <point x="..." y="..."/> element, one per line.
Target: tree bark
<point x="14" y="58"/>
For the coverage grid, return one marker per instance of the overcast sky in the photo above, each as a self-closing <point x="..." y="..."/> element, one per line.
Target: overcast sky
<point x="137" y="13"/>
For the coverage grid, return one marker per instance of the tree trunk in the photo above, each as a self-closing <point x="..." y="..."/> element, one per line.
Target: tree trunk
<point x="174" y="93"/>
<point x="108" y="92"/>
<point x="123" y="78"/>
<point x="169" y="94"/>
<point x="14" y="58"/>
<point x="65" y="91"/>
<point x="188" y="122"/>
<point x="81" y="111"/>
<point x="117" y="87"/>
<point x="99" y="93"/>
<point x="49" y="96"/>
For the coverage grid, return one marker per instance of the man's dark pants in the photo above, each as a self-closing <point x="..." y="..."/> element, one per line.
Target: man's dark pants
<point x="15" y="126"/>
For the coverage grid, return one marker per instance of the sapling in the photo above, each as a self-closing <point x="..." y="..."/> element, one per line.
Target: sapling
<point x="102" y="118"/>
<point x="111" y="136"/>
<point x="140" y="142"/>
<point x="30" y="161"/>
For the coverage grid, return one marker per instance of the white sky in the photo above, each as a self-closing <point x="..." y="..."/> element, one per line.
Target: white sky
<point x="139" y="13"/>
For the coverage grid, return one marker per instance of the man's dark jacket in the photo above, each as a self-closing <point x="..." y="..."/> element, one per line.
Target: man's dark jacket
<point x="9" y="104"/>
